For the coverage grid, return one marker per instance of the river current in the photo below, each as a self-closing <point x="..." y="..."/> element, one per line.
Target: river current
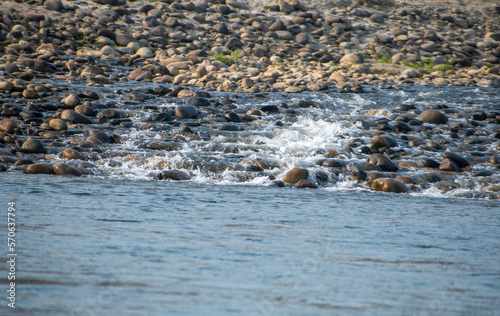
<point x="119" y="242"/>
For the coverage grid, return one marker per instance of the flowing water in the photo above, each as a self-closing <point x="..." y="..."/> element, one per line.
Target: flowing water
<point x="92" y="246"/>
<point x="299" y="134"/>
<point x="227" y="243"/>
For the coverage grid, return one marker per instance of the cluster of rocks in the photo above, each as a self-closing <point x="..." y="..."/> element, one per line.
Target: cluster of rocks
<point x="75" y="77"/>
<point x="226" y="45"/>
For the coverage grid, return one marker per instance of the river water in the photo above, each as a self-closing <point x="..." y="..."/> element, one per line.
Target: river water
<point x="93" y="246"/>
<point x="226" y="242"/>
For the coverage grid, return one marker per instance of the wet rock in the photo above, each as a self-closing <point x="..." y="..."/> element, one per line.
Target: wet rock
<point x="100" y="135"/>
<point x="185" y="111"/>
<point x="198" y="101"/>
<point x="383" y="162"/>
<point x="296" y="174"/>
<point x="379" y="144"/>
<point x="71" y="154"/>
<point x="175" y="175"/>
<point x="494" y="160"/>
<point x="58" y="124"/>
<point x="33" y="146"/>
<point x="430" y="163"/>
<point x="5" y="152"/>
<point x="278" y="184"/>
<point x="109" y="114"/>
<point x="389" y="185"/>
<point x="304" y="183"/>
<point x="71" y="100"/>
<point x="40" y="168"/>
<point x="433" y="117"/>
<point x="229" y="128"/>
<point x="449" y="165"/>
<point x="85" y="109"/>
<point x="460" y="161"/>
<point x="333" y="163"/>
<point x="7" y="125"/>
<point x="232" y="117"/>
<point x="269" y="109"/>
<point x="30" y="94"/>
<point x="74" y="117"/>
<point x="64" y="169"/>
<point x="2" y="168"/>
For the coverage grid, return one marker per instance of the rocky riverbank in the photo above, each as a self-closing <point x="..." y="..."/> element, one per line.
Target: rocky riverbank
<point x="79" y="77"/>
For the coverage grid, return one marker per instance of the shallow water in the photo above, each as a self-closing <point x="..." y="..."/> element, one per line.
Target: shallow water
<point x="90" y="246"/>
<point x="299" y="137"/>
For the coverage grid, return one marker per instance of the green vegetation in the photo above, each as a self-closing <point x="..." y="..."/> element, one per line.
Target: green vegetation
<point x="489" y="65"/>
<point x="428" y="65"/>
<point x="385" y="59"/>
<point x="228" y="61"/>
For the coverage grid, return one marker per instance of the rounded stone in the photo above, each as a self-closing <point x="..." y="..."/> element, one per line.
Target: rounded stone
<point x="295" y="175"/>
<point x="7" y="125"/>
<point x="71" y="154"/>
<point x="55" y="5"/>
<point x="433" y="117"/>
<point x="383" y="162"/>
<point x="304" y="183"/>
<point x="71" y="100"/>
<point x="58" y="124"/>
<point x="33" y="146"/>
<point x="85" y="109"/>
<point x="389" y="185"/>
<point x="145" y="52"/>
<point x="175" y="175"/>
<point x="74" y="117"/>
<point x="185" y="111"/>
<point x="64" y="169"/>
<point x="30" y="94"/>
<point x="460" y="161"/>
<point x="198" y="101"/>
<point x="91" y="71"/>
<point x="40" y="168"/>
<point x="355" y="58"/>
<point x="449" y="165"/>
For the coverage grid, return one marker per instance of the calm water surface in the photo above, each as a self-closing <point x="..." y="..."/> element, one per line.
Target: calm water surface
<point x="89" y="246"/>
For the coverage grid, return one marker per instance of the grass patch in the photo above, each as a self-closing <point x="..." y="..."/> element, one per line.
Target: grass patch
<point x="228" y="60"/>
<point x="489" y="65"/>
<point x="428" y="65"/>
<point x="385" y="59"/>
